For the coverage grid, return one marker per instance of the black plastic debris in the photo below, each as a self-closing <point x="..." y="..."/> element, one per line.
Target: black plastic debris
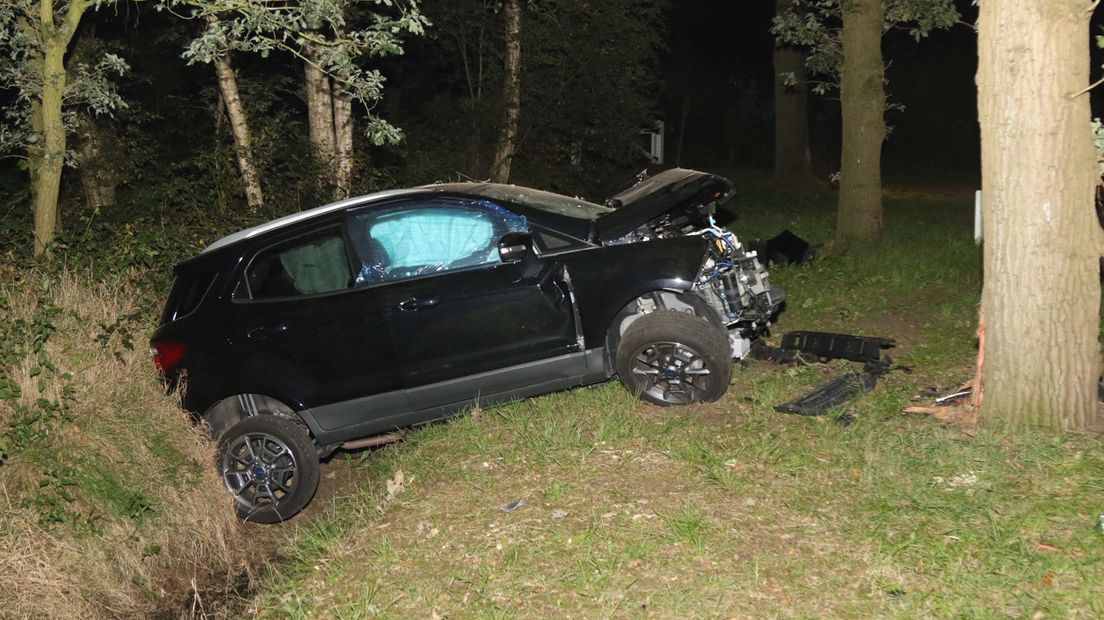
<point x="831" y="395"/>
<point x="810" y="347"/>
<point x="785" y="248"/>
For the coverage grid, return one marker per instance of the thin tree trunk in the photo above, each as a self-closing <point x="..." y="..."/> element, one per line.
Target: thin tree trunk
<point x="239" y="127"/>
<point x="343" y="142"/>
<point x="862" y="99"/>
<point x="1041" y="296"/>
<point x="507" y="143"/>
<point x="791" y="115"/>
<point x="46" y="173"/>
<point x="320" y="119"/>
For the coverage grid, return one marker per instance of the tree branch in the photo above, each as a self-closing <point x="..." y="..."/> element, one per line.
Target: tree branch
<point x="1087" y="88"/>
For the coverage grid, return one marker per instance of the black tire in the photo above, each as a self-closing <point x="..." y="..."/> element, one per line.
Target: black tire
<point x="674" y="358"/>
<point x="269" y="466"/>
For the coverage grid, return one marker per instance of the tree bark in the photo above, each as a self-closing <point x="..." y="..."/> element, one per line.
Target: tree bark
<point x="507" y="143"/>
<point x="46" y="170"/>
<point x="862" y="99"/>
<point x="239" y="128"/>
<point x="792" y="165"/>
<point x="1041" y="295"/>
<point x="320" y="119"/>
<point x="98" y="176"/>
<point x="343" y="141"/>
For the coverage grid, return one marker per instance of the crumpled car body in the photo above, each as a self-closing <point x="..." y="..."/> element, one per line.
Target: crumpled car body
<point x="401" y="307"/>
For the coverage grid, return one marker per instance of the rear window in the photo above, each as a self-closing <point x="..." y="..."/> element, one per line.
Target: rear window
<point x="310" y="265"/>
<point x="188" y="291"/>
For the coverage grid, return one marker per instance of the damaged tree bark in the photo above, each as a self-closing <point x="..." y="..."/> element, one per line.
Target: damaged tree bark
<point x="239" y="128"/>
<point x="507" y="144"/>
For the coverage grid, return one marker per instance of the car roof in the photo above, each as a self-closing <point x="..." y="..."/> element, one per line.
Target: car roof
<point x="288" y="220"/>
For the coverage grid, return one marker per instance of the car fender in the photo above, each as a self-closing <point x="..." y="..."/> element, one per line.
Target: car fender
<point x="608" y="278"/>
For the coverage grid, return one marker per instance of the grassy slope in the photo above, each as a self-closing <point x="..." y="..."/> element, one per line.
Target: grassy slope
<point x="729" y="509"/>
<point x="110" y="506"/>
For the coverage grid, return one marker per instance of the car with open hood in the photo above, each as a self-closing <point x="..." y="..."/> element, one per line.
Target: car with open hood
<point x="330" y="328"/>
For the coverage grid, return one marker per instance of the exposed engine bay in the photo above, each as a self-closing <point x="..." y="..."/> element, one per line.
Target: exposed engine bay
<point x="731" y="280"/>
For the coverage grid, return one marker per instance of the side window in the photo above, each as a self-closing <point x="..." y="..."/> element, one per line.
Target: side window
<point x="430" y="236"/>
<point x="188" y="291"/>
<point x="316" y="263"/>
<point x="552" y="242"/>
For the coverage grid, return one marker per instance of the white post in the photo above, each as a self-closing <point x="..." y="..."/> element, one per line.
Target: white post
<point x="977" y="217"/>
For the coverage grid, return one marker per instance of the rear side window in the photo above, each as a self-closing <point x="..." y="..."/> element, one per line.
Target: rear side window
<point x="311" y="265"/>
<point x="187" y="292"/>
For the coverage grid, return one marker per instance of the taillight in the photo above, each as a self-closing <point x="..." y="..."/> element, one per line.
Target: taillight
<point x="166" y="355"/>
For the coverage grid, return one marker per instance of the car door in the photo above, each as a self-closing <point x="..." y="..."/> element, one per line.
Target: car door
<point x="464" y="322"/>
<point x="306" y="335"/>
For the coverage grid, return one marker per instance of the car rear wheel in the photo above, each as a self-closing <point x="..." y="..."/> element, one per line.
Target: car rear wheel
<point x="674" y="358"/>
<point x="270" y="467"/>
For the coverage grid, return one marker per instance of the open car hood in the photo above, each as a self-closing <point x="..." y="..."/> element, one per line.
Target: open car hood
<point x="675" y="190"/>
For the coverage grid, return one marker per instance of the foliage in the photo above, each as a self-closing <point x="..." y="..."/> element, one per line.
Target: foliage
<point x="90" y="87"/>
<point x="345" y="33"/>
<point x="816" y="24"/>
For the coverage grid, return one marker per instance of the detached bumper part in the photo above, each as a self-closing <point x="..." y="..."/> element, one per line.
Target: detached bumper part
<point x="822" y="346"/>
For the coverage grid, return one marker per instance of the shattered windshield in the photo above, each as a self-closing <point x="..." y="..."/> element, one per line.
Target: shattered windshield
<point x="535" y="199"/>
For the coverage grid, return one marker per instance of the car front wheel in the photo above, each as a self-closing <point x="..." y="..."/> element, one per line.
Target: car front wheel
<point x="270" y="467"/>
<point x="674" y="358"/>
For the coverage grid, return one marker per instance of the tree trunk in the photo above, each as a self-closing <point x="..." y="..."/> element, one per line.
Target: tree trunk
<point x="791" y="116"/>
<point x="507" y="143"/>
<point x="320" y="119"/>
<point x="343" y="142"/>
<point x="862" y="99"/>
<point x="1041" y="296"/>
<point x="98" y="176"/>
<point x="239" y="127"/>
<point x="46" y="171"/>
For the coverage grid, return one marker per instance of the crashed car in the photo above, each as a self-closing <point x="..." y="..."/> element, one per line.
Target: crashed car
<point x="327" y="329"/>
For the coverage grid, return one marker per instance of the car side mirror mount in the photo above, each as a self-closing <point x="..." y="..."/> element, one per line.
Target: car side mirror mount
<point x="514" y="246"/>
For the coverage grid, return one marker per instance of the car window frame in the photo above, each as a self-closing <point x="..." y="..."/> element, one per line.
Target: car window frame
<point x="243" y="274"/>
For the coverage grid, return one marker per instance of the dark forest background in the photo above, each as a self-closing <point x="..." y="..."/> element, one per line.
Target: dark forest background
<point x="593" y="75"/>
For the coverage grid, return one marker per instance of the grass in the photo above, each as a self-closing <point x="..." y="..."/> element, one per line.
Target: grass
<point x="730" y="509"/>
<point x="110" y="506"/>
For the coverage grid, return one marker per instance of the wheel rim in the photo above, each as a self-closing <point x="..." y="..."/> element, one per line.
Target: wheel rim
<point x="260" y="471"/>
<point x="671" y="372"/>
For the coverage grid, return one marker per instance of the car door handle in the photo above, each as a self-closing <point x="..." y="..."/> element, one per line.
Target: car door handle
<point x="417" y="303"/>
<point x="260" y="333"/>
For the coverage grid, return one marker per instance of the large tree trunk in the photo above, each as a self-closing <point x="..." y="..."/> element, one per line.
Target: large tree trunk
<point x="46" y="168"/>
<point x="239" y="127"/>
<point x="791" y="116"/>
<point x="1041" y="296"/>
<point x="507" y="143"/>
<point x="320" y="120"/>
<point x="862" y="98"/>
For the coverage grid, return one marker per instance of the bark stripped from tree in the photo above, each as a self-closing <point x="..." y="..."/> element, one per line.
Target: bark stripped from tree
<point x="791" y="118"/>
<point x="862" y="99"/>
<point x="1041" y="296"/>
<point x="507" y="143"/>
<point x="239" y="128"/>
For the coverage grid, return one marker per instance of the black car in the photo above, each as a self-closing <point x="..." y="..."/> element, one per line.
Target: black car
<point x="327" y="328"/>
